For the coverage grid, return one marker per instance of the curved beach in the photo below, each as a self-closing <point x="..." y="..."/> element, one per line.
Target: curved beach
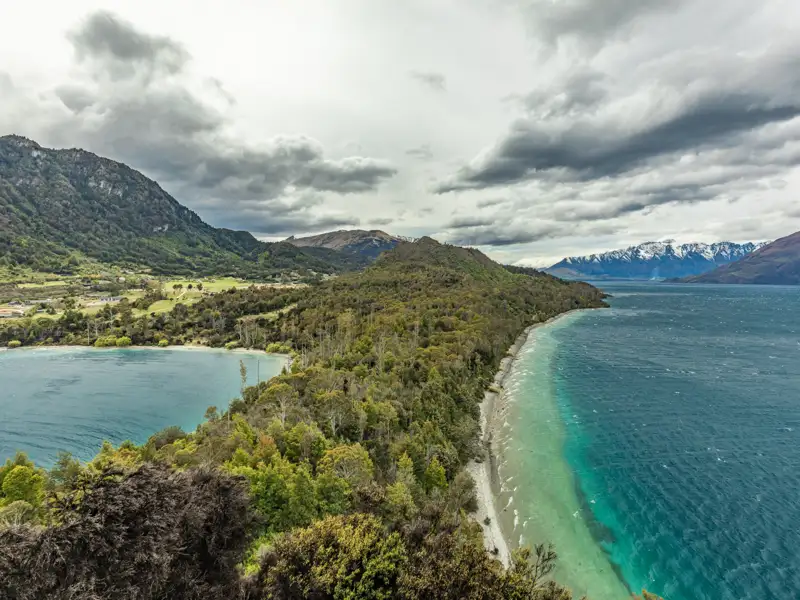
<point x="526" y="487"/>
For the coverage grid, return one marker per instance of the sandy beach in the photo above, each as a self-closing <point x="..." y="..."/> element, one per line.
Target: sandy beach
<point x="487" y="484"/>
<point x="531" y="483"/>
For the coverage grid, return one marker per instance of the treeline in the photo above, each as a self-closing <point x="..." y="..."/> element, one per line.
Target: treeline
<point x="352" y="462"/>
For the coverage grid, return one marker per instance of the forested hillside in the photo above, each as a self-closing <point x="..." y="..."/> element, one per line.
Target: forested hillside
<point x="59" y="208"/>
<point x="342" y="478"/>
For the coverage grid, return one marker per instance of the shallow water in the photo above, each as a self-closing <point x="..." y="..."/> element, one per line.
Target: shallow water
<point x="673" y="420"/>
<point x="72" y="399"/>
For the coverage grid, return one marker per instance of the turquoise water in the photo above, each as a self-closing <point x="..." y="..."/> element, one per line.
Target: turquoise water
<point x="69" y="399"/>
<point x="679" y="416"/>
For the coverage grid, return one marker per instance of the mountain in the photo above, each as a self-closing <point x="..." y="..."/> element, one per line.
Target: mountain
<point x="653" y="260"/>
<point x="60" y="208"/>
<point x="368" y="244"/>
<point x="777" y="263"/>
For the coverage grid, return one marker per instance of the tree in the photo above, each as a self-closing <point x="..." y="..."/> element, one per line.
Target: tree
<point x="211" y="414"/>
<point x="23" y="483"/>
<point x="149" y="534"/>
<point x="282" y="398"/>
<point x="65" y="472"/>
<point x="400" y="502"/>
<point x="243" y="375"/>
<point x="333" y="494"/>
<point x="302" y="498"/>
<point x="17" y="513"/>
<point x="200" y="286"/>
<point x="352" y="463"/>
<point x="338" y="557"/>
<point x="434" y="477"/>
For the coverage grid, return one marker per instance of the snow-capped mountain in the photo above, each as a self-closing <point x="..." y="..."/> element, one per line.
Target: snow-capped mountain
<point x="654" y="260"/>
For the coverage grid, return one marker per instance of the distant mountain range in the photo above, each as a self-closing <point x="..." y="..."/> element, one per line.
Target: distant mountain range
<point x="62" y="208"/>
<point x="777" y="263"/>
<point x="367" y="244"/>
<point x="653" y="260"/>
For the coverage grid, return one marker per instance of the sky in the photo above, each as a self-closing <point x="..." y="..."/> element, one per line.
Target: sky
<point x="532" y="129"/>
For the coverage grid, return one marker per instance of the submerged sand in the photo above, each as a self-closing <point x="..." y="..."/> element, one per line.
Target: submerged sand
<point x="526" y="486"/>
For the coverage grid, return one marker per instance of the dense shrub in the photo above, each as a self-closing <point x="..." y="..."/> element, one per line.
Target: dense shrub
<point x="152" y="534"/>
<point x="105" y="342"/>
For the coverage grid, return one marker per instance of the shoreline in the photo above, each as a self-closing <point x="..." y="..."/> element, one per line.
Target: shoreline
<point x="534" y="483"/>
<point x="485" y="473"/>
<point x="184" y="347"/>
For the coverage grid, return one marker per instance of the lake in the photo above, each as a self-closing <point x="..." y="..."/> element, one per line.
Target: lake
<point x="657" y="444"/>
<point x="72" y="399"/>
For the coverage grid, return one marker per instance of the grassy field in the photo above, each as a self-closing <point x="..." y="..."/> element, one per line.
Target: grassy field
<point x="46" y="284"/>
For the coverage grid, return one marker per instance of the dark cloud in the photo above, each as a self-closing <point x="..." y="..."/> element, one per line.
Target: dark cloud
<point x="470" y="221"/>
<point x="502" y="235"/>
<point x="264" y="223"/>
<point x="591" y="152"/>
<point x="137" y="101"/>
<point x="105" y="37"/>
<point x="511" y="233"/>
<point x="422" y="152"/>
<point x="349" y="175"/>
<point x="579" y="90"/>
<point x="434" y="81"/>
<point x="490" y="202"/>
<point x="380" y="222"/>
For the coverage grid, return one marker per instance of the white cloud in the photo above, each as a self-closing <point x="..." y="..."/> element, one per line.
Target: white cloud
<point x="561" y="127"/>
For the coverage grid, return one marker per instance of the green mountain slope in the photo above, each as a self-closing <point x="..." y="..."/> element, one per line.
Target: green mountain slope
<point x="60" y="207"/>
<point x="777" y="263"/>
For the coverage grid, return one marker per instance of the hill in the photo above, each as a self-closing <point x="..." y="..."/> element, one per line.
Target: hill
<point x="368" y="244"/>
<point x="653" y="260"/>
<point x="59" y="208"/>
<point x="352" y="462"/>
<point x="777" y="263"/>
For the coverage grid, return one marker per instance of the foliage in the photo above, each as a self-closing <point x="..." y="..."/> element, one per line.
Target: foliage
<point x="14" y="344"/>
<point x="145" y="535"/>
<point x="23" y="483"/>
<point x="123" y="341"/>
<point x="106" y="341"/>
<point x="278" y="348"/>
<point x="354" y="457"/>
<point x="338" y="557"/>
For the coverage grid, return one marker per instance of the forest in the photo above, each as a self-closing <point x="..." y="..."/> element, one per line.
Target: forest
<point x="343" y="477"/>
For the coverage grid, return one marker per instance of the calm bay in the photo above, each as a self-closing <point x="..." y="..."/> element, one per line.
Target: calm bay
<point x="73" y="399"/>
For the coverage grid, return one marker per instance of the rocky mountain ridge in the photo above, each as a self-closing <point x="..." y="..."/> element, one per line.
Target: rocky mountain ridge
<point x="654" y="260"/>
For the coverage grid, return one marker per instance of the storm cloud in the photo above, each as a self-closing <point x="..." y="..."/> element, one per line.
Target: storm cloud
<point x="137" y="100"/>
<point x="535" y="129"/>
<point x="587" y="151"/>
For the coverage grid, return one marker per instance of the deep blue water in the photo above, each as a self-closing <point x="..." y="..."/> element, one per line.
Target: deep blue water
<point x="682" y="413"/>
<point x="72" y="399"/>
